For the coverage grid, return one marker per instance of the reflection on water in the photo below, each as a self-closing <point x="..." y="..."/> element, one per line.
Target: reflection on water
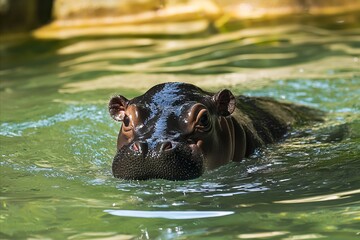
<point x="95" y="45"/>
<point x="334" y="196"/>
<point x="175" y="28"/>
<point x="248" y="56"/>
<point x="169" y="214"/>
<point x="261" y="235"/>
<point x="57" y="140"/>
<point x="331" y="67"/>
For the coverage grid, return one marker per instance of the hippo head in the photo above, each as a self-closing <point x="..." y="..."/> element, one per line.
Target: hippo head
<point x="174" y="131"/>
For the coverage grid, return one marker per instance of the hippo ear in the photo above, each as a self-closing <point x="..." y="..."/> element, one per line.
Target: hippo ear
<point x="224" y="102"/>
<point x="117" y="106"/>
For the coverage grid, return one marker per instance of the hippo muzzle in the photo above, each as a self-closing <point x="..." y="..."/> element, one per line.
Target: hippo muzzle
<point x="171" y="162"/>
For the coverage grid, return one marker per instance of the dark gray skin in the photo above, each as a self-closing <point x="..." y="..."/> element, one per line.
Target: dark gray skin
<point x="176" y="131"/>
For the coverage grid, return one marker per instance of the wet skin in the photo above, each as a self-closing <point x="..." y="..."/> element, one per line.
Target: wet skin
<point x="176" y="131"/>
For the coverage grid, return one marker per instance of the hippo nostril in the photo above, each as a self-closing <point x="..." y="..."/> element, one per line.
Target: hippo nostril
<point x="136" y="147"/>
<point x="140" y="147"/>
<point x="166" y="146"/>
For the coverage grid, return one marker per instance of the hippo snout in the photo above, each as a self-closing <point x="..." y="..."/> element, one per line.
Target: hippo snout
<point x="167" y="160"/>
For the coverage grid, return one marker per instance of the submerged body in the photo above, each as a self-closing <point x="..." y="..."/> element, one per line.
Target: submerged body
<point x="176" y="131"/>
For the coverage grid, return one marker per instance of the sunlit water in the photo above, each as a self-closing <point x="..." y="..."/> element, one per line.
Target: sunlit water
<point x="57" y="140"/>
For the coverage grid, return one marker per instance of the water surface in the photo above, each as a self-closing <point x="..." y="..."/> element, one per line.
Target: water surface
<point x="57" y="140"/>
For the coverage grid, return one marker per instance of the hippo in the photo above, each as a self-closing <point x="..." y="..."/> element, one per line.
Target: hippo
<point x="177" y="131"/>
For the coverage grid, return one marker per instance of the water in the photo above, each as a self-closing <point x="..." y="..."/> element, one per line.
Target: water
<point x="57" y="140"/>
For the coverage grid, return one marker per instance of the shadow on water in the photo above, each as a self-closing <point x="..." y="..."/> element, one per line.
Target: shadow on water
<point x="57" y="140"/>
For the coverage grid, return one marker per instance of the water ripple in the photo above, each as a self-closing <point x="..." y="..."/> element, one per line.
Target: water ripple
<point x="73" y="113"/>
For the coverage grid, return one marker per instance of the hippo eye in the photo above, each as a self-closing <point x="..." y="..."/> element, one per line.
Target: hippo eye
<point x="204" y="120"/>
<point x="126" y="121"/>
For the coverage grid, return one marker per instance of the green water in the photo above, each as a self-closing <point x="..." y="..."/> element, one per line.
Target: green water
<point x="57" y="140"/>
